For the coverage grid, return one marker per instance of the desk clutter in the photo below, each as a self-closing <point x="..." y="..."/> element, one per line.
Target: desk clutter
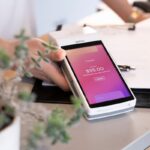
<point x="53" y="94"/>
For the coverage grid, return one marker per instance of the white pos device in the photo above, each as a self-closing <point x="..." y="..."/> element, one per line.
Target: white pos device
<point x="94" y="77"/>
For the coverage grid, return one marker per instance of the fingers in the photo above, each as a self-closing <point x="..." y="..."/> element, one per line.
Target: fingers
<point x="147" y="15"/>
<point x="52" y="72"/>
<point x="35" y="44"/>
<point x="38" y="74"/>
<point x="58" y="55"/>
<point x="48" y="71"/>
<point x="46" y="38"/>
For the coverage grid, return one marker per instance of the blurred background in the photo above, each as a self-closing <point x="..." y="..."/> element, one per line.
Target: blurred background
<point x="42" y="16"/>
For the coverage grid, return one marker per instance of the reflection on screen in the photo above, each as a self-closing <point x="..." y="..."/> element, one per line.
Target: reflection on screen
<point x="97" y="75"/>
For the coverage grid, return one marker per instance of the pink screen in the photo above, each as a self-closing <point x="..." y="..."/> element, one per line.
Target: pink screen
<point x="96" y="74"/>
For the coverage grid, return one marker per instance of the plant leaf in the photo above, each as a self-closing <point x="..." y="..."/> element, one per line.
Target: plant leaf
<point x="4" y="59"/>
<point x="35" y="62"/>
<point x="26" y="96"/>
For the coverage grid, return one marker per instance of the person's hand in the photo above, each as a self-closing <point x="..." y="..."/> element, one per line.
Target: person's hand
<point x="143" y="17"/>
<point x="47" y="71"/>
<point x="138" y="15"/>
<point x="146" y="16"/>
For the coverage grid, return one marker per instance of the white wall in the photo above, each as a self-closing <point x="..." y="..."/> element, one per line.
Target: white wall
<point x="50" y="13"/>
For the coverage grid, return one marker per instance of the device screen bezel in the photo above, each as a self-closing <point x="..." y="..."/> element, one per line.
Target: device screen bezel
<point x="110" y="102"/>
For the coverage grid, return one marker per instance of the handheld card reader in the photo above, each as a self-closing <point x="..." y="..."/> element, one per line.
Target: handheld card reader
<point x="94" y="77"/>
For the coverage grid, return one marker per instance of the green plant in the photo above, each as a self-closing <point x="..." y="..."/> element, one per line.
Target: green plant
<point x="56" y="127"/>
<point x="6" y="116"/>
<point x="12" y="69"/>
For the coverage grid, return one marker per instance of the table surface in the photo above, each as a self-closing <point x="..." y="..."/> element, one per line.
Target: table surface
<point x="112" y="133"/>
<point x="108" y="134"/>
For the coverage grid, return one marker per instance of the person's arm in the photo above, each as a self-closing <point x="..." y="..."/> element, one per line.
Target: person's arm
<point x="126" y="11"/>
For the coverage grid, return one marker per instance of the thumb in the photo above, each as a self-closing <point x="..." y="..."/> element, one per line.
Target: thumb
<point x="57" y="55"/>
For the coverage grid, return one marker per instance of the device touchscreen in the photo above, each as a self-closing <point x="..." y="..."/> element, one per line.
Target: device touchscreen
<point x="97" y="75"/>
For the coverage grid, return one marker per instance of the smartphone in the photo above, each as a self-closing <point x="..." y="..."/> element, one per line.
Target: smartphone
<point x="94" y="77"/>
